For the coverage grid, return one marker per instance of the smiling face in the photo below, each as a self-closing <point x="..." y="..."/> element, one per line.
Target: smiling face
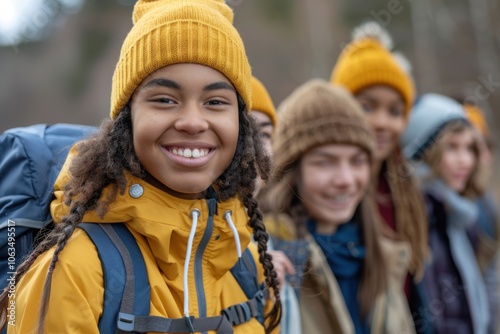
<point x="185" y="127"/>
<point x="458" y="158"/>
<point x="384" y="108"/>
<point x="333" y="180"/>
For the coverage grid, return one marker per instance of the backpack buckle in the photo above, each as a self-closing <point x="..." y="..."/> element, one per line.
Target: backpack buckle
<point x="236" y="314"/>
<point x="126" y="322"/>
<point x="260" y="297"/>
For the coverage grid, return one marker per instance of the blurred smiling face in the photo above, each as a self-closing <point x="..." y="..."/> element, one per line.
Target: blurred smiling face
<point x="458" y="158"/>
<point x="333" y="180"/>
<point x="185" y="127"/>
<point x="384" y="108"/>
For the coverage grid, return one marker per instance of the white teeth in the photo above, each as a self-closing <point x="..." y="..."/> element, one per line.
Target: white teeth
<point x="341" y="198"/>
<point x="188" y="153"/>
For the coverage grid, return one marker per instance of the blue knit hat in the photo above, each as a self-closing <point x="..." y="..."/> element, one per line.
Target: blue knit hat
<point x="430" y="114"/>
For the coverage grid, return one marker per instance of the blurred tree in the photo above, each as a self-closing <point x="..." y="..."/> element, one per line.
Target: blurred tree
<point x="24" y="21"/>
<point x="276" y="10"/>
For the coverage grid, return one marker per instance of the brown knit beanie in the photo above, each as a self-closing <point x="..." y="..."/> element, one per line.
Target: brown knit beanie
<point x="315" y="114"/>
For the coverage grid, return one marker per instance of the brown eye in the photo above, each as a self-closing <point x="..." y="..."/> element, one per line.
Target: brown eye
<point x="163" y="100"/>
<point x="396" y="112"/>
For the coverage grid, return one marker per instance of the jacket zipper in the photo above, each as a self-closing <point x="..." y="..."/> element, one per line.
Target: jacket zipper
<point x="198" y="265"/>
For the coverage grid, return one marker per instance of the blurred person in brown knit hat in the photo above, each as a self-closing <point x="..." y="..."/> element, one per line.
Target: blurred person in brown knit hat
<point x="176" y="164"/>
<point x="486" y="232"/>
<point x="381" y="83"/>
<point x="319" y="213"/>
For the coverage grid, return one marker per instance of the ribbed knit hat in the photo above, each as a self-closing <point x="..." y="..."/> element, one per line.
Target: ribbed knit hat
<point x="476" y="116"/>
<point x="168" y="32"/>
<point x="315" y="114"/>
<point x="367" y="61"/>
<point x="261" y="101"/>
<point x="430" y="114"/>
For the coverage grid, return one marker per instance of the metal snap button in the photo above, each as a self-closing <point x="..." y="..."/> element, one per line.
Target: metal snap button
<point x="136" y="191"/>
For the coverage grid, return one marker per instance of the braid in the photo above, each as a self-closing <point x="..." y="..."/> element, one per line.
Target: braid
<point x="250" y="160"/>
<point x="62" y="233"/>
<point x="262" y="237"/>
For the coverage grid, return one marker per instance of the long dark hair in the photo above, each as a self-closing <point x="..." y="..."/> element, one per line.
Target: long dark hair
<point x="102" y="163"/>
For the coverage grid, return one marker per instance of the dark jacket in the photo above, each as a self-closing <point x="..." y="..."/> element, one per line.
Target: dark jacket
<point x="447" y="305"/>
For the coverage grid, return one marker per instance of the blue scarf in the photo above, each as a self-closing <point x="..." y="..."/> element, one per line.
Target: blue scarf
<point x="345" y="253"/>
<point x="461" y="214"/>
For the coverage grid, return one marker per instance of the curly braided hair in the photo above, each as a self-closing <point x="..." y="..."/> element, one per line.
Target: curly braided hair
<point x="239" y="179"/>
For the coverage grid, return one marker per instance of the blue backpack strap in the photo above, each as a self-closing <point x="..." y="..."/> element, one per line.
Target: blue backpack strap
<point x="246" y="276"/>
<point x="135" y="299"/>
<point x="126" y="308"/>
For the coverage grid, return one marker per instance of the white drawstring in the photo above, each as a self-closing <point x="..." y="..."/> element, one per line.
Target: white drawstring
<point x="227" y="216"/>
<point x="195" y="214"/>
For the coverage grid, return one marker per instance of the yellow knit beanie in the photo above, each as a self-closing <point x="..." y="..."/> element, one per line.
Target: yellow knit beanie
<point x="168" y="32"/>
<point x="315" y="114"/>
<point x="476" y="116"/>
<point x="261" y="101"/>
<point x="367" y="61"/>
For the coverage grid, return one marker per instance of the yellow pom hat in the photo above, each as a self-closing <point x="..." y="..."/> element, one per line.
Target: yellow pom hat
<point x="476" y="116"/>
<point x="367" y="61"/>
<point x="261" y="100"/>
<point x="168" y="32"/>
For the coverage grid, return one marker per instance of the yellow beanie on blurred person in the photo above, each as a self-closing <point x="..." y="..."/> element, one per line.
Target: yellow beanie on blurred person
<point x="476" y="116"/>
<point x="168" y="32"/>
<point x="368" y="61"/>
<point x="261" y="100"/>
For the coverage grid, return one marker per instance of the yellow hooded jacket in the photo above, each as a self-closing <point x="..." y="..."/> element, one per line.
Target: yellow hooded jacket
<point x="161" y="225"/>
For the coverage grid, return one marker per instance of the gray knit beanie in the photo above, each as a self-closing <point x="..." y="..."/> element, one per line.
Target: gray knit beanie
<point x="430" y="114"/>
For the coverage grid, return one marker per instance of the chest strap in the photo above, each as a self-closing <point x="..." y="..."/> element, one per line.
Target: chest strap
<point x="222" y="324"/>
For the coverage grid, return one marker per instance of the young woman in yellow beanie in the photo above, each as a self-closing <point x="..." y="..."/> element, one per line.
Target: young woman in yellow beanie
<point x="318" y="211"/>
<point x="177" y="164"/>
<point x="263" y="111"/>
<point x="382" y="85"/>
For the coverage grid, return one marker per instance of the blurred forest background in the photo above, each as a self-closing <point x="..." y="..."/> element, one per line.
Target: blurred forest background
<point x="57" y="56"/>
